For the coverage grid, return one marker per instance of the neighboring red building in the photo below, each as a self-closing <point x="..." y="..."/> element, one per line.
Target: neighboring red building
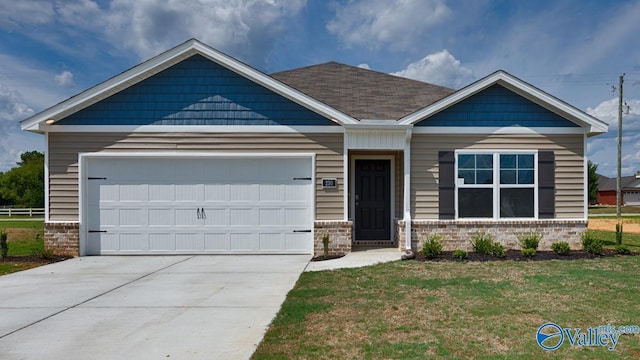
<point x="630" y="188"/>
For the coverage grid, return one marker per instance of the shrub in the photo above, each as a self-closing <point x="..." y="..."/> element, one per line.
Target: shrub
<point x="45" y="254"/>
<point x="497" y="250"/>
<point x="622" y="250"/>
<point x="528" y="252"/>
<point x="432" y="247"/>
<point x="4" y="245"/>
<point x="561" y="248"/>
<point x="619" y="233"/>
<point x="530" y="241"/>
<point x="592" y="244"/>
<point x="482" y="243"/>
<point x="325" y="244"/>
<point x="460" y="255"/>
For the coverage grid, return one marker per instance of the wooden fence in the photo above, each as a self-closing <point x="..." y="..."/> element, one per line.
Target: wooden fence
<point x="22" y="212"/>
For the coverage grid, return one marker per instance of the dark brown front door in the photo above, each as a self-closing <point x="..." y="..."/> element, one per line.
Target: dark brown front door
<point x="372" y="199"/>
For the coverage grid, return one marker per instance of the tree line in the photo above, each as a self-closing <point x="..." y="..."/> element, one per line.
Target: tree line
<point x="23" y="185"/>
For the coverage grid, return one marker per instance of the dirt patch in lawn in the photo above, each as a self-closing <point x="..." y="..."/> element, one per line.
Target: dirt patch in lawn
<point x="629" y="225"/>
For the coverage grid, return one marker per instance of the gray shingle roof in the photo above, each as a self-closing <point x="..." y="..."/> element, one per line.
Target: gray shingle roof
<point x="362" y="93"/>
<point x="610" y="184"/>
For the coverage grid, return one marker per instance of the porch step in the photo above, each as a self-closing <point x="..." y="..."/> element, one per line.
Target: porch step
<point x="374" y="243"/>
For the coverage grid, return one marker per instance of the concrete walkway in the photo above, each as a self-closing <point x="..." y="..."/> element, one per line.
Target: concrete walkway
<point x="357" y="258"/>
<point x="146" y="307"/>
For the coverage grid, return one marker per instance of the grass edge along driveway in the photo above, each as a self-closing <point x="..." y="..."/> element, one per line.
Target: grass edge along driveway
<point x="416" y="310"/>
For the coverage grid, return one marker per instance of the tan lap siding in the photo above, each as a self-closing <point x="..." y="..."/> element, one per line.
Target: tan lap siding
<point x="569" y="156"/>
<point x="64" y="149"/>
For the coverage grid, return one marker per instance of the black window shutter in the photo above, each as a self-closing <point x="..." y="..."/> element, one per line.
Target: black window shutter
<point x="446" y="188"/>
<point x="546" y="185"/>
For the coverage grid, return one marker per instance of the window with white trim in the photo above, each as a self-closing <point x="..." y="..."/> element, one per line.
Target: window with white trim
<point x="496" y="184"/>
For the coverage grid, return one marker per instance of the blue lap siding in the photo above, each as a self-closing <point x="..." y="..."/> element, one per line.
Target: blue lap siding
<point x="196" y="91"/>
<point x="496" y="106"/>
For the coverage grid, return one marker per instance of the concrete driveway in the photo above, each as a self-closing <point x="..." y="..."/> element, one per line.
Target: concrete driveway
<point x="146" y="307"/>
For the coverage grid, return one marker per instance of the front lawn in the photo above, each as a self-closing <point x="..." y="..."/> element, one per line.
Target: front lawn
<point x="26" y="246"/>
<point x="417" y="310"/>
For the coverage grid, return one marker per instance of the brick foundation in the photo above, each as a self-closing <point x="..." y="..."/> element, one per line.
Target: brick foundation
<point x="62" y="238"/>
<point x="457" y="234"/>
<point x="340" y="236"/>
<point x="399" y="234"/>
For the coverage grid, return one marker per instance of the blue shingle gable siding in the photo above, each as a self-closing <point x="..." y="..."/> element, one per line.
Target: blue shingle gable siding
<point x="496" y="106"/>
<point x="196" y="91"/>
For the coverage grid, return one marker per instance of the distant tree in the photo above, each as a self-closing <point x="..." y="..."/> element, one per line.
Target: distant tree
<point x="23" y="186"/>
<point x="593" y="182"/>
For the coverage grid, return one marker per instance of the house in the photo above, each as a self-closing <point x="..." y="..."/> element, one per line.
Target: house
<point x="196" y="152"/>
<point x="629" y="189"/>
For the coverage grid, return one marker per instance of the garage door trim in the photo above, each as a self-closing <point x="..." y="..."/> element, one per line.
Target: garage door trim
<point x="85" y="158"/>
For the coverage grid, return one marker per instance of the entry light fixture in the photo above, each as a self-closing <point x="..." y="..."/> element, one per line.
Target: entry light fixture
<point x="49" y="121"/>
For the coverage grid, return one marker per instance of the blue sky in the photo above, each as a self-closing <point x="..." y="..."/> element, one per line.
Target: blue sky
<point x="573" y="49"/>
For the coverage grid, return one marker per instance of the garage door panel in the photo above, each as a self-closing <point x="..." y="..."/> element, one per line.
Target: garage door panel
<point x="133" y="241"/>
<point x="133" y="193"/>
<point x="211" y="205"/>
<point x="296" y="216"/>
<point x="187" y="217"/>
<point x="296" y="242"/>
<point x="242" y="216"/>
<point x="162" y="193"/>
<point x="244" y="193"/>
<point x="298" y="192"/>
<point x="216" y="242"/>
<point x="216" y="217"/>
<point x="132" y="217"/>
<point x="162" y="242"/>
<point x="189" y="242"/>
<point x="271" y="217"/>
<point x="271" y="241"/>
<point x="272" y="192"/>
<point x="216" y="192"/>
<point x="108" y="218"/>
<point x="189" y="192"/>
<point x="243" y="241"/>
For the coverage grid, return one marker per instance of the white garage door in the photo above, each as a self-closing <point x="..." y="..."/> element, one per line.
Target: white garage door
<point x="199" y="205"/>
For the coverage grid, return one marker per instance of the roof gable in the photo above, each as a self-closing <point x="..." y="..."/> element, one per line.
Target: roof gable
<point x="195" y="91"/>
<point x="496" y="106"/>
<point x="361" y="93"/>
<point x="589" y="123"/>
<point x="163" y="61"/>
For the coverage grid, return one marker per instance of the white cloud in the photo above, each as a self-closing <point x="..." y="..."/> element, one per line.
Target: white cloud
<point x="440" y="68"/>
<point x="364" y="66"/>
<point x="13" y="142"/>
<point x="246" y="29"/>
<point x="602" y="149"/>
<point x="398" y="23"/>
<point x="64" y="79"/>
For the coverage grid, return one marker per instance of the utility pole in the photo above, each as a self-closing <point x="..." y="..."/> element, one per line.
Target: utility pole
<point x="619" y="178"/>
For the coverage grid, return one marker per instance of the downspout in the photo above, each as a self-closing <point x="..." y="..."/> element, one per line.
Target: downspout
<point x="407" y="189"/>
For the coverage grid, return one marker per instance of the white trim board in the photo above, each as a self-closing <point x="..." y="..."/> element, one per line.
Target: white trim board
<point x="194" y="129"/>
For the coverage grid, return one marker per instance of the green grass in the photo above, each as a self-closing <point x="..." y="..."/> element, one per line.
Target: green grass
<point x="25" y="238"/>
<point x="594" y="210"/>
<point x="609" y="238"/>
<point x="453" y="310"/>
